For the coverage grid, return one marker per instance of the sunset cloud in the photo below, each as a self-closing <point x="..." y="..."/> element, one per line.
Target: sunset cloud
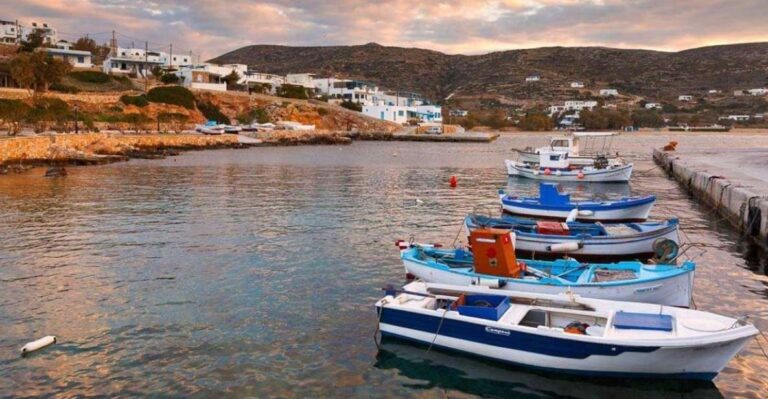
<point x="210" y="28"/>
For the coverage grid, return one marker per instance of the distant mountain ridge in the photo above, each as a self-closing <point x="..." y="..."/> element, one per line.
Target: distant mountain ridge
<point x="647" y="73"/>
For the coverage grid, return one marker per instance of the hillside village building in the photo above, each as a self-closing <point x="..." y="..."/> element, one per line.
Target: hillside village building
<point x="10" y="32"/>
<point x="77" y="58"/>
<point x="572" y="105"/>
<point x="49" y="33"/>
<point x="653" y="106"/>
<point x="609" y="92"/>
<point x="577" y="85"/>
<point x="684" y="97"/>
<point x="533" y="78"/>
<point x="758" y="92"/>
<point x="141" y="62"/>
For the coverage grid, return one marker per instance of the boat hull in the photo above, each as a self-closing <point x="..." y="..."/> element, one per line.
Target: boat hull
<point x="533" y="158"/>
<point x="634" y="213"/>
<point x="550" y="350"/>
<point x="616" y="174"/>
<point x="605" y="248"/>
<point x="675" y="290"/>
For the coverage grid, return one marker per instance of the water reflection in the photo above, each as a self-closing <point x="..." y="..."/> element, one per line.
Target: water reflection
<point x="451" y="372"/>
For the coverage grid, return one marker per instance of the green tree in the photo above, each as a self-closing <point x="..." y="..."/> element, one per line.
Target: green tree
<point x="12" y="113"/>
<point x="137" y="121"/>
<point x="647" y="118"/>
<point x="231" y="80"/>
<point x="35" y="39"/>
<point x="534" y="122"/>
<point x="48" y="111"/>
<point x="37" y="71"/>
<point x="99" y="52"/>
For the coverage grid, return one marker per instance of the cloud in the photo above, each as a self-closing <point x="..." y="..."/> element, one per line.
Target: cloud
<point x="210" y="28"/>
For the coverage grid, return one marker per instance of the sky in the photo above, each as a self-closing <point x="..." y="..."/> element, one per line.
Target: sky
<point x="210" y="28"/>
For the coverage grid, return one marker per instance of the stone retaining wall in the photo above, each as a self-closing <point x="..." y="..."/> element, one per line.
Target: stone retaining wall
<point x="743" y="207"/>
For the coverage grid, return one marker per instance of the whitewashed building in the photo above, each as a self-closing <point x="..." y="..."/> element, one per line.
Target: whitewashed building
<point x="736" y="118"/>
<point x="577" y="85"/>
<point x="77" y="58"/>
<point x="127" y="60"/>
<point x="653" y="106"/>
<point x="459" y="112"/>
<point x="609" y="92"/>
<point x="50" y="34"/>
<point x="572" y="105"/>
<point x="306" y="80"/>
<point x="10" y="32"/>
<point x="714" y="91"/>
<point x="684" y="97"/>
<point x="402" y="114"/>
<point x="533" y="78"/>
<point x="347" y="90"/>
<point x="211" y="76"/>
<point x="758" y="92"/>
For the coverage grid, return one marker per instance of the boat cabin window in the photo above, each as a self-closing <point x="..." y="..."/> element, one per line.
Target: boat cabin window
<point x="534" y="318"/>
<point x="560" y="143"/>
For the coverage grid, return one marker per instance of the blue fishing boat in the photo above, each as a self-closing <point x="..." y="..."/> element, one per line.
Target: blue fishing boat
<point x="542" y="239"/>
<point x="553" y="204"/>
<point x="492" y="261"/>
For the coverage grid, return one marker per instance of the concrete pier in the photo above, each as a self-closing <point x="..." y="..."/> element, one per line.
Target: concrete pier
<point x="733" y="181"/>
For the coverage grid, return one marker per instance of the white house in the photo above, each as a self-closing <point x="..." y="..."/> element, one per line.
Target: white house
<point x="653" y="106"/>
<point x="401" y="114"/>
<point x="127" y="60"/>
<point x="10" y="32"/>
<point x="738" y="93"/>
<point x="347" y="90"/>
<point x="50" y="35"/>
<point x="533" y="78"/>
<point x="306" y="80"/>
<point x="609" y="92"/>
<point x="459" y="112"/>
<point x="211" y="76"/>
<point x="577" y="85"/>
<point x="738" y="118"/>
<point x="714" y="91"/>
<point x="684" y="97"/>
<point x="77" y="58"/>
<point x="758" y="92"/>
<point x="572" y="105"/>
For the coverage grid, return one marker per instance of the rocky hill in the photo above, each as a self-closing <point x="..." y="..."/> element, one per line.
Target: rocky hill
<point x="661" y="75"/>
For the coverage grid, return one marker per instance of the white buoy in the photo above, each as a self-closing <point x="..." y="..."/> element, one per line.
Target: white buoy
<point x="488" y="282"/>
<point x="569" y="246"/>
<point x="572" y="215"/>
<point x="38" y="344"/>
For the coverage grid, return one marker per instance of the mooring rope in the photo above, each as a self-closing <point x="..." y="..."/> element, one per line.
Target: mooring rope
<point x="438" y="328"/>
<point x="378" y="323"/>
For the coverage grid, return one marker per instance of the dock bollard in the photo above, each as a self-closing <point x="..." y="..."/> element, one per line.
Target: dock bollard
<point x="38" y="344"/>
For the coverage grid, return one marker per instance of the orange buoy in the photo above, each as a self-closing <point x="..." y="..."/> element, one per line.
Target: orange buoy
<point x="547" y="171"/>
<point x="453" y="182"/>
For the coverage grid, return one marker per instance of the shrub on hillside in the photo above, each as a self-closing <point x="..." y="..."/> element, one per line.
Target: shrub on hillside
<point x="62" y="88"/>
<point x="212" y="112"/>
<point x="169" y="79"/>
<point x="90" y="76"/>
<point x="12" y="113"/>
<point x="258" y="115"/>
<point x="293" y="91"/>
<point x="175" y="95"/>
<point x="352" y="105"/>
<point x="139" y="101"/>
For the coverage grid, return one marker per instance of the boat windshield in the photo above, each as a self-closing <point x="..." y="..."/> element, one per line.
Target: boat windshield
<point x="560" y="143"/>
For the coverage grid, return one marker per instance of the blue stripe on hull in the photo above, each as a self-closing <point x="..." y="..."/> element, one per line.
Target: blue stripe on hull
<point x="619" y="204"/>
<point x="590" y="373"/>
<point x="516" y="340"/>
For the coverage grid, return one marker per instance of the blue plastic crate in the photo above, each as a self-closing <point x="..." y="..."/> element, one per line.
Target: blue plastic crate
<point x="474" y="306"/>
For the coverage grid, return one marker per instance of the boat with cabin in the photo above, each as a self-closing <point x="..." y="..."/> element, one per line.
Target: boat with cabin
<point x="492" y="261"/>
<point x="557" y="166"/>
<point x="546" y="239"/>
<point x="553" y="204"/>
<point x="565" y="333"/>
<point x="583" y="148"/>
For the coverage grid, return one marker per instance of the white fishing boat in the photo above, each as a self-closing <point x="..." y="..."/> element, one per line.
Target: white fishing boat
<point x="564" y="332"/>
<point x="210" y="128"/>
<point x="492" y="261"/>
<point x="553" y="204"/>
<point x="583" y="148"/>
<point x="556" y="166"/>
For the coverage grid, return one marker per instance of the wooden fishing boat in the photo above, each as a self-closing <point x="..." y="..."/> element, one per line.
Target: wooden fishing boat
<point x="564" y="332"/>
<point x="553" y="204"/>
<point x="584" y="241"/>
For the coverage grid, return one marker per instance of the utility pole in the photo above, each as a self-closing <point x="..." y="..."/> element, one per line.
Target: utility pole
<point x="170" y="57"/>
<point x="146" y="73"/>
<point x="113" y="45"/>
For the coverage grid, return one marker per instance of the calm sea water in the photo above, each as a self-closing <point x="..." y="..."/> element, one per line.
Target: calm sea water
<point x="254" y="272"/>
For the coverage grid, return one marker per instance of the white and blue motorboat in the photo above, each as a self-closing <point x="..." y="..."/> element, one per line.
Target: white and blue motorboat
<point x="492" y="262"/>
<point x="552" y="204"/>
<point x="585" y="241"/>
<point x="556" y="166"/>
<point x="565" y="332"/>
